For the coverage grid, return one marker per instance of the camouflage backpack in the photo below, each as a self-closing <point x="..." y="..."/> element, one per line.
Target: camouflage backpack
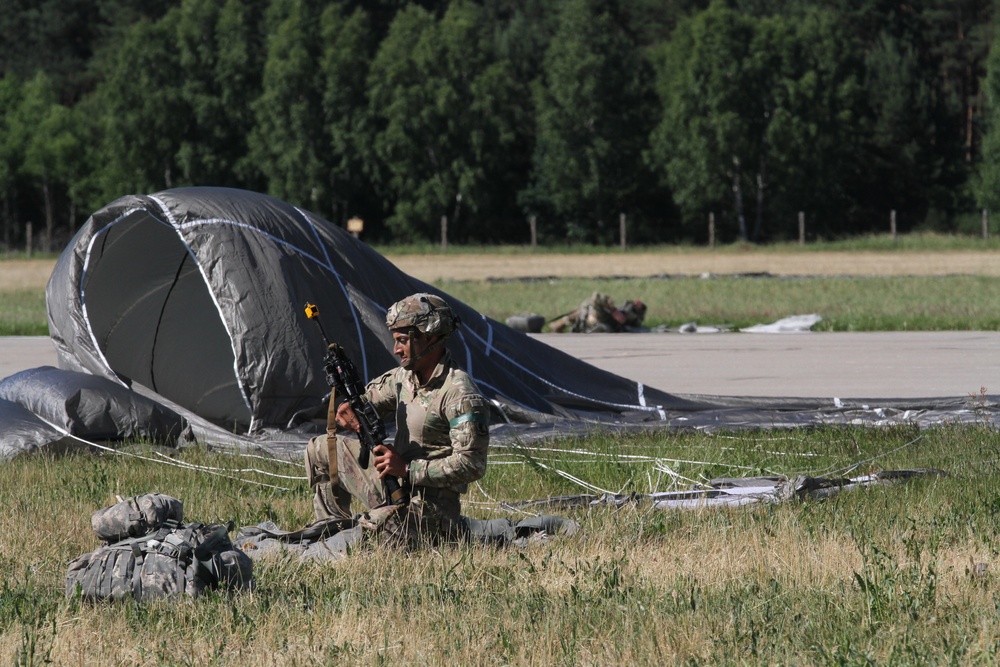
<point x="150" y="554"/>
<point x="136" y="516"/>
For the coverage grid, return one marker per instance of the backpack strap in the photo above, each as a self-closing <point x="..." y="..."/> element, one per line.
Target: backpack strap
<point x="107" y="585"/>
<point x="137" y="553"/>
<point x="134" y="546"/>
<point x="214" y="540"/>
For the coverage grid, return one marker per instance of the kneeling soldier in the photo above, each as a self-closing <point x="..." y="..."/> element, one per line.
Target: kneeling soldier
<point x="443" y="421"/>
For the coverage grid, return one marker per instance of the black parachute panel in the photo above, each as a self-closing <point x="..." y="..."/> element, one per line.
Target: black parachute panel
<point x="197" y="294"/>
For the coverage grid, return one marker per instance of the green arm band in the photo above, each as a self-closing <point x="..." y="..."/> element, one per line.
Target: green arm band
<point x="468" y="417"/>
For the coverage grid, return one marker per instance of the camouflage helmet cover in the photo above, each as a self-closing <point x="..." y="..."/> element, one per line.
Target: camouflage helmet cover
<point x="427" y="313"/>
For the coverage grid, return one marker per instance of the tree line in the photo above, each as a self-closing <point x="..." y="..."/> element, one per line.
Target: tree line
<point x="489" y="113"/>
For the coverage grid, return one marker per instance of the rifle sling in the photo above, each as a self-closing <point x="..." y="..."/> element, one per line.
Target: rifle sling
<point x="331" y="436"/>
<point x="402" y="430"/>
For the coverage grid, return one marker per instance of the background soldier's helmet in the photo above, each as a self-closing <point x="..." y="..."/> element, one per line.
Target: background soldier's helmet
<point x="427" y="313"/>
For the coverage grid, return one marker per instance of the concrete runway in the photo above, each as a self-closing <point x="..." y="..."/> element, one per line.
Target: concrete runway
<point x="803" y="365"/>
<point x="813" y="365"/>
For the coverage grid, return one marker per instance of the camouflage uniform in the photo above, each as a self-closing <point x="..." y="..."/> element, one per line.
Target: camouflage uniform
<point x="598" y="314"/>
<point x="446" y="421"/>
<point x="634" y="311"/>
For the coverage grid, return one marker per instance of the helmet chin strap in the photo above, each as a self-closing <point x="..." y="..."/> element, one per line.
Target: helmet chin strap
<point x="414" y="359"/>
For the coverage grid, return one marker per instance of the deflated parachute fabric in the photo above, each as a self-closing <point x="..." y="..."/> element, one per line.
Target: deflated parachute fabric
<point x="333" y="539"/>
<point x="197" y="294"/>
<point x="46" y="406"/>
<point x="25" y="432"/>
<point x="194" y="299"/>
<point x="733" y="492"/>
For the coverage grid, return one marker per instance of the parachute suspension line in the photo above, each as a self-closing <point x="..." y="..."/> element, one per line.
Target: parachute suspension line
<point x="513" y="362"/>
<point x="562" y="473"/>
<point x="271" y="459"/>
<point x="494" y="503"/>
<point x="179" y="464"/>
<point x="707" y="463"/>
<point x="187" y="466"/>
<point x="857" y="464"/>
<point x="159" y="321"/>
<point x="562" y="460"/>
<point x="172" y="462"/>
<point x="572" y="478"/>
<point x="772" y="452"/>
<point x="653" y="486"/>
<point x="720" y="436"/>
<point x="664" y="468"/>
<point x="638" y="457"/>
<point x="194" y="466"/>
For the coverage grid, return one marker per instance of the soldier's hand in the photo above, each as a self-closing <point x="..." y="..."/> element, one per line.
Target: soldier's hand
<point x="346" y="417"/>
<point x="389" y="462"/>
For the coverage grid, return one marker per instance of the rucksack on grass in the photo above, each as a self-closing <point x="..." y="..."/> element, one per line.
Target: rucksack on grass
<point x="136" y="516"/>
<point x="158" y="557"/>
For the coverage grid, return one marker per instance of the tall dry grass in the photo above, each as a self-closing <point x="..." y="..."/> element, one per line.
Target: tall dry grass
<point x="900" y="574"/>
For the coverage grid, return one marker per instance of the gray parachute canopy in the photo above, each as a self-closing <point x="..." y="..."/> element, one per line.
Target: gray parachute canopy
<point x="197" y="294"/>
<point x="194" y="298"/>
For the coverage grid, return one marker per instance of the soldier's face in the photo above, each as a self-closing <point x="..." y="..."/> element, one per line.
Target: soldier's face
<point x="410" y="345"/>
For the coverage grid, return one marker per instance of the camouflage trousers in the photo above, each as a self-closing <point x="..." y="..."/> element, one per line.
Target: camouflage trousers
<point x="431" y="515"/>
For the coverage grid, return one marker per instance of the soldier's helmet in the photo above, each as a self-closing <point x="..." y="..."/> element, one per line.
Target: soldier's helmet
<point x="427" y="313"/>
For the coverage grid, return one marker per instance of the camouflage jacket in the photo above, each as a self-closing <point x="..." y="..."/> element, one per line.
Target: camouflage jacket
<point x="447" y="420"/>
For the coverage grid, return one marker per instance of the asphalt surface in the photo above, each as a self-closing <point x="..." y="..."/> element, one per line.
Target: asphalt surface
<point x="813" y="365"/>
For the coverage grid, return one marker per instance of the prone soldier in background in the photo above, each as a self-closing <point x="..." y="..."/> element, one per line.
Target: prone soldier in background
<point x="598" y="314"/>
<point x="442" y="434"/>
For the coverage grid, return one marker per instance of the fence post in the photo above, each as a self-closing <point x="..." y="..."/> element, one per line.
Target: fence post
<point x="892" y="224"/>
<point x="621" y="229"/>
<point x="802" y="227"/>
<point x="533" y="224"/>
<point x="28" y="242"/>
<point x="711" y="230"/>
<point x="986" y="224"/>
<point x="444" y="233"/>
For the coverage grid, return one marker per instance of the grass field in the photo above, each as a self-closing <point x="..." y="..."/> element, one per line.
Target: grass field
<point x="913" y="284"/>
<point x="903" y="574"/>
<point x="878" y="303"/>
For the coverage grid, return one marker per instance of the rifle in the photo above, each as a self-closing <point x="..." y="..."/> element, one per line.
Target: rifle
<point x="342" y="377"/>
